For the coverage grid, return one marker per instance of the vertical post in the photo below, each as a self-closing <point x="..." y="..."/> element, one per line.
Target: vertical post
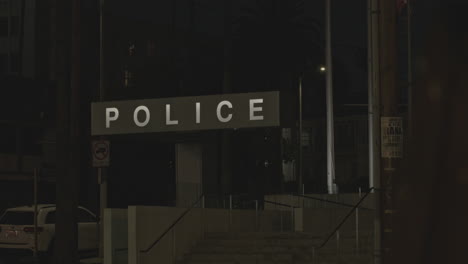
<point x="338" y="242"/>
<point x="292" y="218"/>
<point x="21" y="36"/>
<point x="173" y="245"/>
<point x="410" y="67"/>
<point x="62" y="12"/>
<point x="357" y="225"/>
<point x="230" y="211"/>
<point x="35" y="214"/>
<point x="332" y="188"/>
<point x="299" y="176"/>
<point x="9" y="38"/>
<point x="281" y="220"/>
<point x="313" y="254"/>
<point x="389" y="106"/>
<point x="256" y="214"/>
<point x="374" y="114"/>
<point x="303" y="193"/>
<point x="101" y="49"/>
<point x="102" y="205"/>
<point x="202" y="217"/>
<point x="102" y="178"/>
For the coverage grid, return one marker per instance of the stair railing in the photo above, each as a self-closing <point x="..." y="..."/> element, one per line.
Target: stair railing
<point x="169" y="229"/>
<point x="329" y="201"/>
<point x="336" y="230"/>
<point x="291" y="207"/>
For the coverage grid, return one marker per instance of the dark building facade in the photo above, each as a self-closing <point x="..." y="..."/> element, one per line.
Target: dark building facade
<point x="157" y="49"/>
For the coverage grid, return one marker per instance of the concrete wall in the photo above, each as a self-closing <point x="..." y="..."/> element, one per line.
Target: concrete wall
<point x="115" y="236"/>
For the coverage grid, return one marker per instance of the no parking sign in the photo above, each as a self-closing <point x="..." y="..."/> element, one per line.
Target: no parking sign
<point x="101" y="153"/>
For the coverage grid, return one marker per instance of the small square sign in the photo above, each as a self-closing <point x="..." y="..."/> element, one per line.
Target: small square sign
<point x="101" y="152"/>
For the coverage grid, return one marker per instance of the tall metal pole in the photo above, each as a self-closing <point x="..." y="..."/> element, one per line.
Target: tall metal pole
<point x="332" y="188"/>
<point x="374" y="116"/>
<point x="299" y="178"/>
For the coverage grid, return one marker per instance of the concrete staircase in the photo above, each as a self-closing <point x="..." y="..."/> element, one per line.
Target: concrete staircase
<point x="276" y="248"/>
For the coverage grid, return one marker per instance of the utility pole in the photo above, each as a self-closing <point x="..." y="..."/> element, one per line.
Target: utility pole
<point x="102" y="172"/>
<point x="76" y="137"/>
<point x="374" y="116"/>
<point x="332" y="188"/>
<point x="389" y="109"/>
<point x="67" y="68"/>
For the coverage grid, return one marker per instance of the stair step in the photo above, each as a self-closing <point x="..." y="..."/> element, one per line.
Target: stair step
<point x="240" y="257"/>
<point x="264" y="235"/>
<point x="344" y="243"/>
<point x="279" y="248"/>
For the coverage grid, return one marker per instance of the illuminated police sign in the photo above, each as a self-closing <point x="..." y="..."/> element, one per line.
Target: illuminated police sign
<point x="186" y="113"/>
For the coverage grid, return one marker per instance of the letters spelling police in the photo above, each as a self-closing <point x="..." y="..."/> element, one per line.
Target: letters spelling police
<point x="186" y="113"/>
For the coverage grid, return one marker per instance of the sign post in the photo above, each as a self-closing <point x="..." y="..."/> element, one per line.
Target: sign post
<point x="101" y="152"/>
<point x="101" y="158"/>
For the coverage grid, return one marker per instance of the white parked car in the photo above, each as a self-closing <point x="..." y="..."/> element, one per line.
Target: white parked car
<point x="17" y="229"/>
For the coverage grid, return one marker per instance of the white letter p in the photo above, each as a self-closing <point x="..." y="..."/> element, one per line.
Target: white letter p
<point x="114" y="117"/>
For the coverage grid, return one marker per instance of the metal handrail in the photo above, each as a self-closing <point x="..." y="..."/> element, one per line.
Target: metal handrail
<point x="345" y="218"/>
<point x="329" y="201"/>
<point x="282" y="204"/>
<point x="172" y="226"/>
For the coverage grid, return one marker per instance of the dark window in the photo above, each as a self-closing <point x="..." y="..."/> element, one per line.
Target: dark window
<point x="14" y="26"/>
<point x="31" y="138"/>
<point x="15" y="62"/>
<point x="3" y="63"/>
<point x="50" y="219"/>
<point x="3" y="26"/>
<point x="85" y="217"/>
<point x="17" y="218"/>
